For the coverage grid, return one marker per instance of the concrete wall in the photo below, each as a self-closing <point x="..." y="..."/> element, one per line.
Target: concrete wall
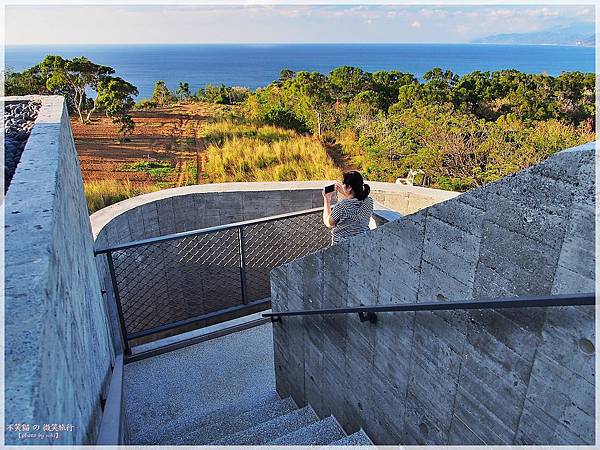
<point x="523" y="376"/>
<point x="57" y="343"/>
<point x="191" y="207"/>
<point x="407" y="199"/>
<point x="183" y="209"/>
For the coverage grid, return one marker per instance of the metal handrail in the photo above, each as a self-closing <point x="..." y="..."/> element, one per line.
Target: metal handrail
<point x="200" y="231"/>
<point x="369" y="312"/>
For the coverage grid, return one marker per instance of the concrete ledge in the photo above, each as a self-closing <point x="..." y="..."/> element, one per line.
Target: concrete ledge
<point x="394" y="197"/>
<point x="53" y="303"/>
<point x="195" y="336"/>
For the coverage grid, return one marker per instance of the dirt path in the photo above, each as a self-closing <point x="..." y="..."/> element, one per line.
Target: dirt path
<point x="335" y="153"/>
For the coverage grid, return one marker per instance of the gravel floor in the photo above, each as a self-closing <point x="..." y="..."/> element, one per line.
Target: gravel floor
<point x="18" y="122"/>
<point x="195" y="381"/>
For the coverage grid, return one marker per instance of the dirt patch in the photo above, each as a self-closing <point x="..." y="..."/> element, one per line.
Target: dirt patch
<point x="170" y="135"/>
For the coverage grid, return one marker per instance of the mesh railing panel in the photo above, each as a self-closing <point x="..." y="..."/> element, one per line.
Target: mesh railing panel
<point x="164" y="282"/>
<point x="169" y="281"/>
<point x="271" y="244"/>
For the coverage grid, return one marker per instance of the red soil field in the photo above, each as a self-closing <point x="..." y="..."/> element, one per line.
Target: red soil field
<point x="169" y="135"/>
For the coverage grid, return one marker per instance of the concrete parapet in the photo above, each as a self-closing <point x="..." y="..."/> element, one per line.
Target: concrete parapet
<point x="200" y="206"/>
<point x="512" y="376"/>
<point x="57" y="348"/>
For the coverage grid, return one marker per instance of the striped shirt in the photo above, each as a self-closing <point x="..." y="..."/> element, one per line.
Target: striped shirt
<point x="352" y="217"/>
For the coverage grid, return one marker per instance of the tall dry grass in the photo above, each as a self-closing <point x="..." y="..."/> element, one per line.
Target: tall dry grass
<point x="219" y="132"/>
<point x="102" y="193"/>
<point x="252" y="159"/>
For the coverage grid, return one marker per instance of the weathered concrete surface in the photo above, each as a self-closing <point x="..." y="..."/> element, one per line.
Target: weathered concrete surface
<point x="523" y="376"/>
<point x="57" y="343"/>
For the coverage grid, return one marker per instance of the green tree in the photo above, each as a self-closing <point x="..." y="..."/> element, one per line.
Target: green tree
<point x="388" y="84"/>
<point x="438" y="85"/>
<point x="214" y="94"/>
<point x="162" y="96"/>
<point x="72" y="78"/>
<point x="346" y="82"/>
<point x="115" y="96"/>
<point x="286" y="74"/>
<point x="28" y="82"/>
<point x="183" y="92"/>
<point x="364" y="108"/>
<point x="575" y="93"/>
<point x="312" y="99"/>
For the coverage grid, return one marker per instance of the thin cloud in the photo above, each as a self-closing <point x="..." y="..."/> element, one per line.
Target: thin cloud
<point x="254" y="23"/>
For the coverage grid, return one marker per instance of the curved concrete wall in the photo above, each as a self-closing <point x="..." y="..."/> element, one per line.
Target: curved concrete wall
<point x="522" y="376"/>
<point x="194" y="207"/>
<point x="407" y="199"/>
<point x="57" y="349"/>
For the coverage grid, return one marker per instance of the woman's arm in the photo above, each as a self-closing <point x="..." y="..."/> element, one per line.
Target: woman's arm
<point x="327" y="220"/>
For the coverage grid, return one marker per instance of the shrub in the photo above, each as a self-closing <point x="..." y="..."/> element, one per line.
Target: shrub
<point x="283" y="117"/>
<point x="157" y="170"/>
<point x="145" y="104"/>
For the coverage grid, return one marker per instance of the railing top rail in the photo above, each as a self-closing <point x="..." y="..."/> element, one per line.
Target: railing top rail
<point x="184" y="234"/>
<point x="497" y="303"/>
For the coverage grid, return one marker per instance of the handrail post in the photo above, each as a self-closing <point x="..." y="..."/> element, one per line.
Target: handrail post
<point x="368" y="316"/>
<point x="111" y="268"/>
<point x="242" y="266"/>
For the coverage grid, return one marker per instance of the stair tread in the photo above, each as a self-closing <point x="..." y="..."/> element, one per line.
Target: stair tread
<point x="272" y="429"/>
<point x="235" y="424"/>
<point x="358" y="438"/>
<point x="322" y="432"/>
<point x="182" y="425"/>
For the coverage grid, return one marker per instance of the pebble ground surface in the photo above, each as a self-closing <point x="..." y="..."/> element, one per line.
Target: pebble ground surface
<point x="19" y="118"/>
<point x="229" y="371"/>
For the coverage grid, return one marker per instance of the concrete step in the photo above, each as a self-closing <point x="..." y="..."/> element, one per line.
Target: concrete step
<point x="322" y="432"/>
<point x="268" y="431"/>
<point x="187" y="424"/>
<point x="241" y="422"/>
<point x="358" y="438"/>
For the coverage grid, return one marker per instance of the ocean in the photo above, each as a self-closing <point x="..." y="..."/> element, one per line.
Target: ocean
<point x="255" y="65"/>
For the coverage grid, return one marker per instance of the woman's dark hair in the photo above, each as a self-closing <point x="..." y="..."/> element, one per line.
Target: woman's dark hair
<point x="355" y="180"/>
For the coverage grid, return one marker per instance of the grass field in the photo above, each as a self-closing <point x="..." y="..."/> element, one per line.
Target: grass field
<point x="189" y="144"/>
<point x="251" y="152"/>
<point x="102" y="193"/>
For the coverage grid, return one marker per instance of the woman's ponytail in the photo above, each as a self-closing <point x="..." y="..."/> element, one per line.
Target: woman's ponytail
<point x="365" y="192"/>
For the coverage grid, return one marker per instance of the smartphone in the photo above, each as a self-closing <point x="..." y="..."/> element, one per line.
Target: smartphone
<point x="329" y="188"/>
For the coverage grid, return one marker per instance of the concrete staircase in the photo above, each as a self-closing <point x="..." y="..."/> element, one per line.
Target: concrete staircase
<point x="276" y="422"/>
<point x="221" y="392"/>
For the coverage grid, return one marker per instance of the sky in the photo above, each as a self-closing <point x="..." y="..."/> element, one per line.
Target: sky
<point x="254" y="23"/>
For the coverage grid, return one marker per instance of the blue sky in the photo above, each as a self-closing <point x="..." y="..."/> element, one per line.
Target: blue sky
<point x="110" y="24"/>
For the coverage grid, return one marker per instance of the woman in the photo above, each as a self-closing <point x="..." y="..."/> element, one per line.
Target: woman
<point x="351" y="215"/>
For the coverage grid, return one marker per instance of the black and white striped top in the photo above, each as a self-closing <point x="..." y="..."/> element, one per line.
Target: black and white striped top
<point x="352" y="217"/>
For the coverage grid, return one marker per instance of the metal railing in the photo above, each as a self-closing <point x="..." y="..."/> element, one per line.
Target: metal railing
<point x="369" y="313"/>
<point x="182" y="279"/>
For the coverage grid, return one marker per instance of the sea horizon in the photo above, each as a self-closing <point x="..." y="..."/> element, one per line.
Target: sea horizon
<point x="255" y="65"/>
